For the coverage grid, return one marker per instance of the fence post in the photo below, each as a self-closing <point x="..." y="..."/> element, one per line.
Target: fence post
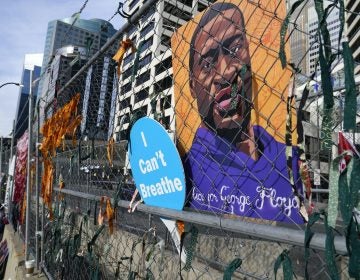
<point x="28" y="177"/>
<point x="318" y="144"/>
<point x="37" y="184"/>
<point x="10" y="204"/>
<point x="42" y="235"/>
<point x="1" y="152"/>
<point x="12" y="140"/>
<point x="150" y="220"/>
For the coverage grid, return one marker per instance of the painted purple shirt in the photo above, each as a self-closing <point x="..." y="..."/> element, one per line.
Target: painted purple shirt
<point x="223" y="179"/>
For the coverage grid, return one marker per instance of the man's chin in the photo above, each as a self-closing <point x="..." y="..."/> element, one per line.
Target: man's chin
<point x="230" y="122"/>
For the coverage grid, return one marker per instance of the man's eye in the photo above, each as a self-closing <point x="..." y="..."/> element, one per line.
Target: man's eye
<point x="235" y="49"/>
<point x="206" y="65"/>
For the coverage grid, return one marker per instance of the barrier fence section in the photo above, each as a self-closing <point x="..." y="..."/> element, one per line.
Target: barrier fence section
<point x="216" y="77"/>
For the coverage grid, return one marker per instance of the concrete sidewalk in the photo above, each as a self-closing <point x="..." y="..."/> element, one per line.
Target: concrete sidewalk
<point x="15" y="269"/>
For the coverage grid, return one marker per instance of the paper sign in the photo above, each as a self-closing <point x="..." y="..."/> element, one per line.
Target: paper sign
<point x="317" y="179"/>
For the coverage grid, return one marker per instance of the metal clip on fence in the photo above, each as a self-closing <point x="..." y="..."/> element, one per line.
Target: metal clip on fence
<point x="121" y="11"/>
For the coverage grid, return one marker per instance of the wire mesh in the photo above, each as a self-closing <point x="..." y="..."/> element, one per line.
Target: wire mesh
<point x="184" y="55"/>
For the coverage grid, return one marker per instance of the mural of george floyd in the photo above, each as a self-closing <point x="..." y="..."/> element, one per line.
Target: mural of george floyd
<point x="231" y="112"/>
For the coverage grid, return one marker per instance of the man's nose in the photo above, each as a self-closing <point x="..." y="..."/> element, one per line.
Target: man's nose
<point x="225" y="69"/>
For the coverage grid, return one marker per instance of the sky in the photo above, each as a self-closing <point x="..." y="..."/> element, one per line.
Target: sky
<point x="23" y="26"/>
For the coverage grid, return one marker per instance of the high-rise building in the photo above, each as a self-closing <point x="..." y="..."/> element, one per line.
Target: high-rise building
<point x="31" y="63"/>
<point x="150" y="91"/>
<point x="69" y="44"/>
<point x="97" y="95"/>
<point x="60" y="69"/>
<point x="89" y="34"/>
<point x="98" y="100"/>
<point x="298" y="39"/>
<point x="333" y="25"/>
<point x="353" y="30"/>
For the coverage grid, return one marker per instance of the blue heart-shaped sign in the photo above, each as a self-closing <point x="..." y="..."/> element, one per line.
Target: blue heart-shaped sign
<point x="156" y="165"/>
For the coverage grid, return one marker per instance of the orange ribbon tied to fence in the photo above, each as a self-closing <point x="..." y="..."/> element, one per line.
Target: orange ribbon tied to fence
<point x="64" y="122"/>
<point x="109" y="213"/>
<point x="110" y="151"/>
<point x="124" y="46"/>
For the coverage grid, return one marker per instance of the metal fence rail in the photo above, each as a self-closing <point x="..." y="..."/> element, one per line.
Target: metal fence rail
<point x="217" y="244"/>
<point x="268" y="232"/>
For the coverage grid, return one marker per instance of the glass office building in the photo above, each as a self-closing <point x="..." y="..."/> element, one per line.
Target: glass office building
<point x="22" y="111"/>
<point x="91" y="34"/>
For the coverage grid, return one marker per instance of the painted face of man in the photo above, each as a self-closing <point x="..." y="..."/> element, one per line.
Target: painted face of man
<point x="221" y="74"/>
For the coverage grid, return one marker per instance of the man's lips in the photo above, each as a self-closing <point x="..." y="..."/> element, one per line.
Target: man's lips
<point x="225" y="101"/>
<point x="223" y="93"/>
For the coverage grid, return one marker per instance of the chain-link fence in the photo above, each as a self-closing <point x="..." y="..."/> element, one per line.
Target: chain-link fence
<point x="252" y="128"/>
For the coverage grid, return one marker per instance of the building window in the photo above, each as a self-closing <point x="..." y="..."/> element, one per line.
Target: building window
<point x="163" y="84"/>
<point x="128" y="58"/>
<point x="147" y="29"/>
<point x="166" y="122"/>
<point x="148" y="14"/>
<point x="146" y="45"/>
<point x="170" y="25"/>
<point x="142" y="95"/>
<point x="126" y="74"/>
<point x="186" y="2"/>
<point x="132" y="29"/>
<point x="201" y="7"/>
<point x="124" y="103"/>
<point x="175" y="11"/>
<point x="145" y="60"/>
<point x="143" y="78"/>
<point x="125" y="119"/>
<point x="165" y="103"/>
<point x="142" y="110"/>
<point x="313" y="150"/>
<point x="123" y="134"/>
<point x="351" y="18"/>
<point x="352" y="33"/>
<point x="126" y="88"/>
<point x="306" y="116"/>
<point x="163" y="65"/>
<point x="165" y="41"/>
<point x="132" y="4"/>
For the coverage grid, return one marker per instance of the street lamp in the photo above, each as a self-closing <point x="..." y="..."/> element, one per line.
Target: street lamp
<point x="1" y="140"/>
<point x="12" y="83"/>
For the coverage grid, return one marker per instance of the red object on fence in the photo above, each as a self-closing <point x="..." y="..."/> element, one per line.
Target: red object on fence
<point x="20" y="167"/>
<point x="346" y="144"/>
